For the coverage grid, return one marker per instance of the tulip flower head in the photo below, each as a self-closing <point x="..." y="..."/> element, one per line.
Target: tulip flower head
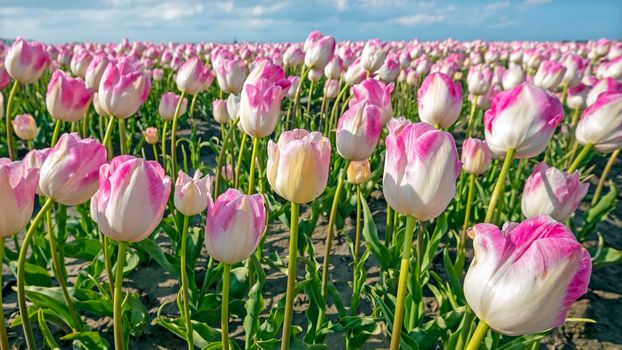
<point x="25" y="127"/>
<point x="151" y="135"/>
<point x="319" y="50"/>
<point x="358" y="131"/>
<point x="26" y="61"/>
<point x="377" y="93"/>
<point x="359" y="172"/>
<point x="17" y="196"/>
<point x="192" y="76"/>
<point x="192" y="194"/>
<point x="476" y="156"/>
<point x="439" y="100"/>
<point x="601" y="123"/>
<point x="122" y="89"/>
<point x="168" y="105"/>
<point x="67" y="98"/>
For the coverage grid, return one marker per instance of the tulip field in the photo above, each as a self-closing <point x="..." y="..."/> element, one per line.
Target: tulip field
<point x="311" y="195"/>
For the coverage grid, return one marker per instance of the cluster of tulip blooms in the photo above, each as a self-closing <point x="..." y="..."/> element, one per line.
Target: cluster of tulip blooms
<point x="522" y="278"/>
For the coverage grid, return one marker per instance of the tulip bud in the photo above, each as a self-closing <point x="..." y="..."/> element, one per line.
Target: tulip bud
<point x="260" y="105"/>
<point x="512" y="77"/>
<point x="604" y="85"/>
<point x="157" y="74"/>
<point x="319" y="52"/>
<point x="373" y="55"/>
<point x="358" y="131"/>
<point x="611" y="69"/>
<point x="298" y="165"/>
<point x="359" y="172"/>
<point x="33" y="160"/>
<point x="479" y="80"/>
<point x="577" y="96"/>
<point x="549" y="191"/>
<point x="601" y="123"/>
<point x="333" y="68"/>
<point x="524" y="119"/>
<point x="374" y="92"/>
<point x="25" y="127"/>
<point x="192" y="76"/>
<point x="168" y="105"/>
<point x="293" y="56"/>
<point x="524" y="278"/>
<point x="67" y="99"/>
<point x="420" y="170"/>
<point x="122" y="90"/>
<point x="475" y="156"/>
<point x="314" y="75"/>
<point x="231" y="75"/>
<point x="192" y="195"/>
<point x="131" y="198"/>
<point x="220" y="112"/>
<point x="80" y="63"/>
<point x="151" y="135"/>
<point x="389" y="70"/>
<point x="69" y="173"/>
<point x="95" y="71"/>
<point x="355" y="73"/>
<point x="235" y="224"/>
<point x="549" y="75"/>
<point x="233" y="106"/>
<point x="17" y="196"/>
<point x="26" y="61"/>
<point x="331" y="89"/>
<point x="575" y="66"/>
<point x="439" y="100"/>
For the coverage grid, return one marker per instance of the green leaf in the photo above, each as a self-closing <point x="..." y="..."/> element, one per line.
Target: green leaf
<point x="370" y="234"/>
<point x="48" y="339"/>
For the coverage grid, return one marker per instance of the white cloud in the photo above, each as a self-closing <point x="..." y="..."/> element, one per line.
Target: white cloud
<point x="172" y="11"/>
<point x="419" y="19"/>
<point x="341" y="4"/>
<point x="496" y="6"/>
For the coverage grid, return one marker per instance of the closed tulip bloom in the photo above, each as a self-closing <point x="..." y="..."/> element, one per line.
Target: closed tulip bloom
<point x="157" y="74"/>
<point x="192" y="76"/>
<point x="389" y="70"/>
<point x="298" y="165"/>
<point x="25" y="127"/>
<point x="294" y="81"/>
<point x="230" y="75"/>
<point x="577" y="96"/>
<point x="601" y="123"/>
<point x="5" y="78"/>
<point x="34" y="160"/>
<point x="549" y="191"/>
<point x="333" y="68"/>
<point x="603" y="85"/>
<point x="168" y="105"/>
<point x="358" y="131"/>
<point x="524" y="278"/>
<point x="80" y="62"/>
<point x="319" y="52"/>
<point x="439" y="100"/>
<point x="314" y="75"/>
<point x="233" y="106"/>
<point x="67" y="98"/>
<point x="375" y="92"/>
<point x="512" y="77"/>
<point x="524" y="119"/>
<point x="293" y="56"/>
<point x="69" y="173"/>
<point x="420" y="170"/>
<point x="479" y="80"/>
<point x="131" y="199"/>
<point x="355" y="73"/>
<point x="575" y="67"/>
<point x="17" y="196"/>
<point x="331" y="89"/>
<point x="151" y="135"/>
<point x="95" y="71"/>
<point x="260" y="106"/>
<point x="192" y="194"/>
<point x="235" y="224"/>
<point x="26" y="61"/>
<point x="123" y="89"/>
<point x="98" y="108"/>
<point x="271" y="72"/>
<point x="373" y="55"/>
<point x="476" y="156"/>
<point x="612" y="69"/>
<point x="220" y="112"/>
<point x="549" y="75"/>
<point x="359" y="172"/>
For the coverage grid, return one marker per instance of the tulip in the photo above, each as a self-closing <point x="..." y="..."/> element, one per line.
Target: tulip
<point x="230" y="75"/>
<point x="549" y="75"/>
<point x="293" y="56"/>
<point x="122" y="90"/>
<point x="373" y="55"/>
<point x="577" y="96"/>
<point x="319" y="51"/>
<point x="359" y="172"/>
<point x="271" y="72"/>
<point x="475" y="156"/>
<point x="389" y="70"/>
<point x="192" y="194"/>
<point x="95" y="71"/>
<point x="192" y="76"/>
<point x="151" y="136"/>
<point x="294" y="81"/>
<point x="314" y="75"/>
<point x="549" y="191"/>
<point x="358" y="131"/>
<point x="157" y="74"/>
<point x="26" y="61"/>
<point x="604" y="85"/>
<point x="25" y="127"/>
<point x="80" y="62"/>
<point x="522" y="119"/>
<point x="439" y="100"/>
<point x="333" y="68"/>
<point x="355" y="73"/>
<point x="601" y="123"/>
<point x="524" y="278"/>
<point x="611" y="69"/>
<point x="67" y="99"/>
<point x="575" y="67"/>
<point x="479" y="80"/>
<point x="168" y="105"/>
<point x="512" y="77"/>
<point x="69" y="173"/>
<point x="220" y="111"/>
<point x="298" y="165"/>
<point x="233" y="106"/>
<point x="374" y="92"/>
<point x="18" y="184"/>
<point x="331" y="89"/>
<point x="260" y="105"/>
<point x="34" y="160"/>
<point x="5" y="78"/>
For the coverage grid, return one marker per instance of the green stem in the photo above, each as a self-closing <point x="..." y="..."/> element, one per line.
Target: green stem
<point x="21" y="278"/>
<point x="329" y="243"/>
<point x="57" y="126"/>
<point x="333" y="111"/>
<point x="4" y="339"/>
<point x="174" y="137"/>
<point x="155" y="152"/>
<point x="499" y="185"/>
<point x="310" y="96"/>
<point x="389" y="227"/>
<point x="467" y="214"/>
<point x="240" y="156"/>
<point x="184" y="284"/>
<point x="577" y="161"/>
<point x="9" y="128"/>
<point x="163" y="150"/>
<point x="291" y="277"/>
<point x="398" y="318"/>
<point x="85" y="124"/>
<point x="251" y="175"/>
<point x="297" y="95"/>
<point x="118" y="299"/>
<point x="224" y="315"/>
<point x="107" y="264"/>
<point x="466" y="327"/>
<point x="122" y="136"/>
<point x="221" y="156"/>
<point x="603" y="176"/>
<point x="357" y="238"/>
<point x="478" y="335"/>
<point x="472" y="117"/>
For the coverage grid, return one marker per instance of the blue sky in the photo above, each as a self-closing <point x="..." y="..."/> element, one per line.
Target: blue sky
<point x="57" y="21"/>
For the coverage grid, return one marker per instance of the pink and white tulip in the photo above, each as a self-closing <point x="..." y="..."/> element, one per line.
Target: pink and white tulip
<point x="25" y="127"/>
<point x="601" y="123"/>
<point x="549" y="75"/>
<point x="373" y="55"/>
<point x="67" y="98"/>
<point x="439" y="100"/>
<point x="374" y="92"/>
<point x="476" y="156"/>
<point x="26" y="61"/>
<point x="168" y="105"/>
<point x="17" y="196"/>
<point x="122" y="89"/>
<point x="192" y="76"/>
<point x="33" y="160"/>
<point x="192" y="194"/>
<point x="230" y="75"/>
<point x="358" y="131"/>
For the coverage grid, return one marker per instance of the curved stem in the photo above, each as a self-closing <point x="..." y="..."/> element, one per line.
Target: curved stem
<point x="108" y="131"/>
<point x="21" y="282"/>
<point x="577" y="161"/>
<point x="57" y="126"/>
<point x="333" y="111"/>
<point x="122" y="136"/>
<point x="499" y="185"/>
<point x="4" y="339"/>
<point x="303" y="73"/>
<point x="478" y="335"/>
<point x="174" y="137"/>
<point x="118" y="299"/>
<point x="163" y="150"/>
<point x="467" y="213"/>
<point x="357" y="238"/>
<point x="240" y="156"/>
<point x="398" y="318"/>
<point x="107" y="265"/>
<point x="251" y="175"/>
<point x="224" y="313"/>
<point x="291" y="277"/>
<point x="310" y="96"/>
<point x="471" y="123"/>
<point x="9" y="129"/>
<point x="221" y="156"/>
<point x="603" y="176"/>
<point x="184" y="284"/>
<point x="155" y="152"/>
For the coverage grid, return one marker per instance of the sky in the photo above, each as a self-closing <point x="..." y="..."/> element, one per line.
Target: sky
<point x="58" y="21"/>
